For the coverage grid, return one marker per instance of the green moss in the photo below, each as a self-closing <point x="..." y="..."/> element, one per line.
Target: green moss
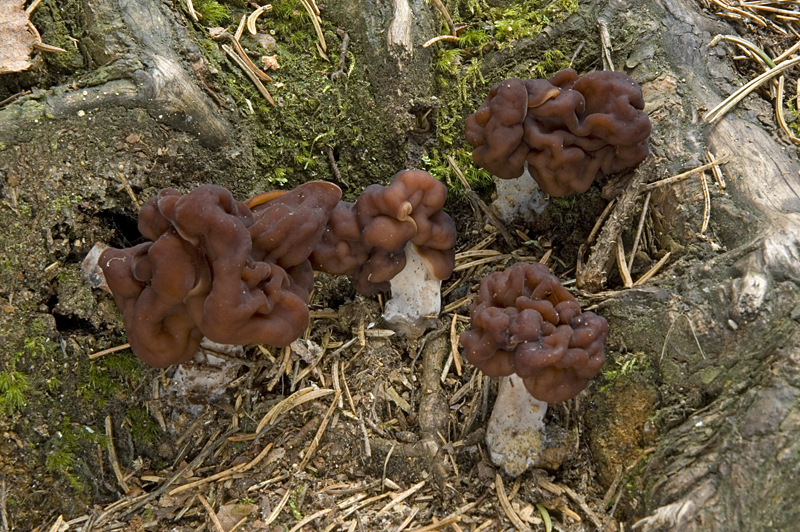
<point x="312" y="114"/>
<point x="212" y="13"/>
<point x="68" y="451"/>
<point x="529" y="18"/>
<point x="142" y="425"/>
<point x="13" y="388"/>
<point x="438" y="166"/>
<point x="104" y="379"/>
<point x="625" y="368"/>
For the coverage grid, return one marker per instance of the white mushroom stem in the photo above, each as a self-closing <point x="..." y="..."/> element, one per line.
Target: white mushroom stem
<point x="515" y="435"/>
<point x="416" y="296"/>
<point x="519" y="198"/>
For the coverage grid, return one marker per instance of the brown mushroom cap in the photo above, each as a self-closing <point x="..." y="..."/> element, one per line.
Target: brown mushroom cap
<point x="525" y="322"/>
<point x="218" y="269"/>
<point x="495" y="130"/>
<point x="573" y="129"/>
<point x="367" y="239"/>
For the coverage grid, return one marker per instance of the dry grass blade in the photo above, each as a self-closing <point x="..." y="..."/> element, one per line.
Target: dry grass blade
<point x="584" y="507"/>
<point x="476" y="253"/>
<point x="222" y="475"/>
<point x="267" y="482"/>
<point x="277" y="510"/>
<point x="112" y="456"/>
<point x="439" y="39"/>
<point x="652" y="271"/>
<point x="109" y="351"/>
<point x="400" y="498"/>
<point x="407" y="520"/>
<point x="458" y="303"/>
<point x="296" y="399"/>
<point x="685" y="175"/>
<point x="211" y="513"/>
<point x="254" y="462"/>
<point x="447" y="17"/>
<point x="318" y="436"/>
<point x="744" y="43"/>
<point x="454" y="345"/>
<point x="716" y="170"/>
<point x="251" y="20"/>
<point x="364" y="503"/>
<point x="706" y="203"/>
<point x="779" y="112"/>
<point x="639" y="229"/>
<point x="244" y="57"/>
<point x="478" y="204"/>
<point x="621" y="265"/>
<point x="478" y="262"/>
<point x="313" y="12"/>
<point x="57" y="525"/>
<point x="446" y="521"/>
<point x="250" y="74"/>
<point x="310" y="518"/>
<point x="758" y="20"/>
<point x="506" y="505"/>
<point x="719" y="111"/>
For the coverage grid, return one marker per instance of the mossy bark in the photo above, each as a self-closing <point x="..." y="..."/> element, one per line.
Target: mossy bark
<point x="719" y="337"/>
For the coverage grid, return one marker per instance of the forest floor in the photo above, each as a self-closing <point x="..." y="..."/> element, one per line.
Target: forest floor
<point x="325" y="435"/>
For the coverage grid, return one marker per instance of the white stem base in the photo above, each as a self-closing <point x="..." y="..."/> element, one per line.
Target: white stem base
<point x="416" y="296"/>
<point x="519" y="198"/>
<point x="515" y="435"/>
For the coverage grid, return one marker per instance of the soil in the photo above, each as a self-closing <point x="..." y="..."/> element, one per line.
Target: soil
<point x="392" y="438"/>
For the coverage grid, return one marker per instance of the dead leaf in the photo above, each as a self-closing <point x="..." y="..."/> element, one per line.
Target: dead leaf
<point x="230" y="514"/>
<point x="16" y="42"/>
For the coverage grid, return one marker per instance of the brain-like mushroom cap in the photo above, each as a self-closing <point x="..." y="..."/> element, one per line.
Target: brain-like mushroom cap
<point x="367" y="239"/>
<point x="569" y="131"/>
<point x="218" y="269"/>
<point x="525" y="322"/>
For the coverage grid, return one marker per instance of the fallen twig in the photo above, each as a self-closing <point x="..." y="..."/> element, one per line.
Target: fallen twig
<point x="109" y="351"/>
<point x="689" y="173"/>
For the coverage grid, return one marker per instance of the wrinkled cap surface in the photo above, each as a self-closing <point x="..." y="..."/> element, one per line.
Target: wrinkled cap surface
<point x="218" y="269"/>
<point x="367" y="239"/>
<point x="525" y="322"/>
<point x="569" y="131"/>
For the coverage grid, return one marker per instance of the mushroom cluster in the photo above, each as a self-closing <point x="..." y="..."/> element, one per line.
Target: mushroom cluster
<point x="525" y="322"/>
<point x="566" y="130"/>
<point x="241" y="272"/>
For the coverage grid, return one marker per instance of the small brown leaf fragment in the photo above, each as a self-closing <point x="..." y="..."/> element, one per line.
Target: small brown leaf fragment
<point x="270" y="62"/>
<point x="16" y="42"/>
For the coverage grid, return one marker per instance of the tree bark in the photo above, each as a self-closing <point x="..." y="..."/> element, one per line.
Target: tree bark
<point x="721" y="333"/>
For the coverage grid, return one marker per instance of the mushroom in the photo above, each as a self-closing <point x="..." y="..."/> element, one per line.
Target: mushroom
<point x="395" y="237"/>
<point x="564" y="132"/>
<point x="526" y="327"/>
<point x="215" y="268"/>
